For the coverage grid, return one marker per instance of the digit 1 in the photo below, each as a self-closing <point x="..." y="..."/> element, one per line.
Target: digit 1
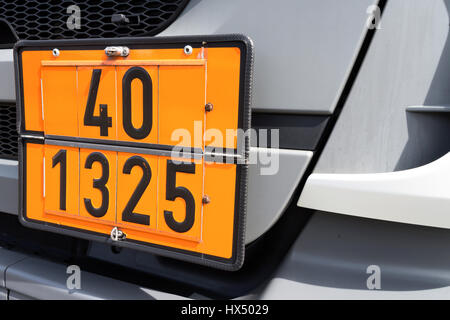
<point x="61" y="158"/>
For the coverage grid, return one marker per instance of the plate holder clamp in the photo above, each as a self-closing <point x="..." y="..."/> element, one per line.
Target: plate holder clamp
<point x="117" y="235"/>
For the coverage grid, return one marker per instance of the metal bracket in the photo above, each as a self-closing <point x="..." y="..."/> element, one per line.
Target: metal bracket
<point x="117" y="51"/>
<point x="117" y="234"/>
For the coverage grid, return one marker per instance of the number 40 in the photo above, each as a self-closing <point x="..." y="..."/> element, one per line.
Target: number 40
<point x="104" y="122"/>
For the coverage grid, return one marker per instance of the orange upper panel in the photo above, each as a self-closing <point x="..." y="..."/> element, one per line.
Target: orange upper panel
<point x="59" y="87"/>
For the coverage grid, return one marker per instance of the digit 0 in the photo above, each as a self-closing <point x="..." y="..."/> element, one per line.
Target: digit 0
<point x="147" y="102"/>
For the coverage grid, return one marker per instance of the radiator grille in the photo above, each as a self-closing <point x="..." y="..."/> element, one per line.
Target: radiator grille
<point x="39" y="20"/>
<point x="8" y="133"/>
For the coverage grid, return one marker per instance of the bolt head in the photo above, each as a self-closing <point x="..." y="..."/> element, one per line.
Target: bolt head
<point x="188" y="50"/>
<point x="206" y="199"/>
<point x="208" y="107"/>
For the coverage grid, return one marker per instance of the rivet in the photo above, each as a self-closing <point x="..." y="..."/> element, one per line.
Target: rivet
<point x="206" y="199"/>
<point x="209" y="107"/>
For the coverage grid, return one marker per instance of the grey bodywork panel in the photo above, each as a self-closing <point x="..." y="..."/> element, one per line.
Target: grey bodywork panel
<point x="268" y="195"/>
<point x="328" y="261"/>
<point x="7" y="258"/>
<point x="12" y="295"/>
<point x="28" y="278"/>
<point x="303" y="48"/>
<point x="331" y="256"/>
<point x="8" y="186"/>
<point x="7" y="87"/>
<point x="407" y="65"/>
<point x="3" y="294"/>
<point x="36" y="278"/>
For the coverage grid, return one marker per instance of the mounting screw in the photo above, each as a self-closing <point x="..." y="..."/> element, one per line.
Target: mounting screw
<point x="188" y="50"/>
<point x="206" y="199"/>
<point x="208" y="107"/>
<point x="55" y="52"/>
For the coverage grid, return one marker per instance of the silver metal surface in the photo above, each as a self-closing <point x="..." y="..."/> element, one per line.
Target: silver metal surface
<point x="12" y="295"/>
<point x="187" y="50"/>
<point x="408" y="64"/>
<point x="117" y="51"/>
<point x="3" y="294"/>
<point x="303" y="48"/>
<point x="431" y="109"/>
<point x="269" y="194"/>
<point x="55" y="52"/>
<point x="41" y="279"/>
<point x="9" y="187"/>
<point x="117" y="234"/>
<point x="8" y="258"/>
<point x="7" y="79"/>
<point x="331" y="257"/>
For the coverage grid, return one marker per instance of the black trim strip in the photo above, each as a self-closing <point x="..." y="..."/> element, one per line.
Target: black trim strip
<point x="296" y="131"/>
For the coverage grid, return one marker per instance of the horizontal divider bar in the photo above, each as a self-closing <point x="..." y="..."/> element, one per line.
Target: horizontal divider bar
<point x="145" y="148"/>
<point x="137" y="145"/>
<point x="106" y="147"/>
<point x="161" y="62"/>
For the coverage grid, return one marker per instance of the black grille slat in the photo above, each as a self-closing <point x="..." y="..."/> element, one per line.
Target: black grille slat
<point x="8" y="133"/>
<point x="39" y="20"/>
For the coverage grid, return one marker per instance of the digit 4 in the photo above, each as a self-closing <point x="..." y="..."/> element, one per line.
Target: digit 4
<point x="102" y="121"/>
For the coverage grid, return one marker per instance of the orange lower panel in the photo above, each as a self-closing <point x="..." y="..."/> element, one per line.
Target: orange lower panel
<point x="99" y="188"/>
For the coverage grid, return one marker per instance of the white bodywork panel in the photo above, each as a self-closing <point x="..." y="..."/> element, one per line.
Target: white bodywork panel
<point x="417" y="196"/>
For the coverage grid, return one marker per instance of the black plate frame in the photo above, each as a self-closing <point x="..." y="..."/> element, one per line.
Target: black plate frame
<point x="245" y="86"/>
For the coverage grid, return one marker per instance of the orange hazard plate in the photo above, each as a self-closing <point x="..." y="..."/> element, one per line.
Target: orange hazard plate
<point x="138" y="143"/>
